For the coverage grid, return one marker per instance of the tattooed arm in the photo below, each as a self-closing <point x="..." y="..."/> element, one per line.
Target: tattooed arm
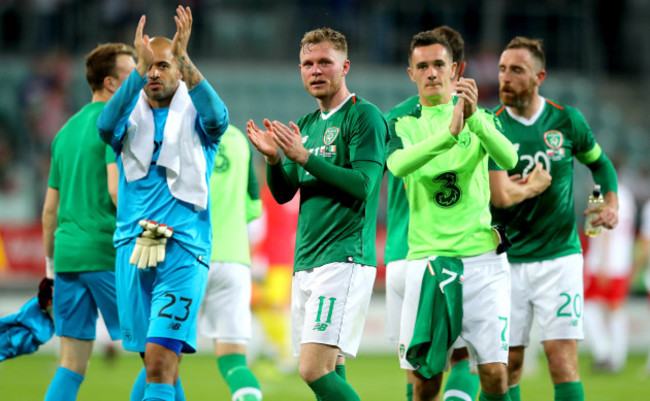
<point x="191" y="75"/>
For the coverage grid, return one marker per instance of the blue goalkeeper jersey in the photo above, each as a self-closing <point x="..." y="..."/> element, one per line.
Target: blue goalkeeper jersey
<point x="150" y="197"/>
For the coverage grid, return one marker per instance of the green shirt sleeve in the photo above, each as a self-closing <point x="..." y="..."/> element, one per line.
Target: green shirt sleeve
<point x="54" y="179"/>
<point x="282" y="180"/>
<point x="404" y="161"/>
<point x="253" y="202"/>
<point x="110" y="155"/>
<point x="358" y="181"/>
<point x="498" y="147"/>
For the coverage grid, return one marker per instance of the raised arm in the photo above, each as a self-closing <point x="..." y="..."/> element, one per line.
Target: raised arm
<point x="123" y="101"/>
<point x="402" y="160"/>
<point x="191" y="75"/>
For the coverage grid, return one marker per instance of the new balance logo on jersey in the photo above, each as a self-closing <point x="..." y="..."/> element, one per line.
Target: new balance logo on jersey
<point x="304" y="138"/>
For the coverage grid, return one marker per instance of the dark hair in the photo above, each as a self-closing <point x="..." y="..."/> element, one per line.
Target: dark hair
<point x="101" y="63"/>
<point x="428" y="38"/>
<point x="455" y="40"/>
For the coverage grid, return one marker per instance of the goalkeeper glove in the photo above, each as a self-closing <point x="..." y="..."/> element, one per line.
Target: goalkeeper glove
<point x="45" y="290"/>
<point x="150" y="246"/>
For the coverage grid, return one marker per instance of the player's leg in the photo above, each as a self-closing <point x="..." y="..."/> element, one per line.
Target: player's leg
<point x="461" y="385"/>
<point x="75" y="317"/>
<point x="486" y="321"/>
<point x="395" y="282"/>
<point x="329" y="305"/>
<point x="225" y="316"/>
<point x="521" y="320"/>
<point x="423" y="389"/>
<point x="559" y="308"/>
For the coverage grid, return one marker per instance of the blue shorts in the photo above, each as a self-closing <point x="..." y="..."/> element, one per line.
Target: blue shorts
<point x="76" y="299"/>
<point x="162" y="301"/>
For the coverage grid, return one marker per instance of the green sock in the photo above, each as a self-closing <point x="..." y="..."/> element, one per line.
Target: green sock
<point x="243" y="384"/>
<point x="340" y="370"/>
<point x="571" y="391"/>
<point x="461" y="385"/>
<point x="494" y="397"/>
<point x="332" y="388"/>
<point x="515" y="393"/>
<point x="409" y="391"/>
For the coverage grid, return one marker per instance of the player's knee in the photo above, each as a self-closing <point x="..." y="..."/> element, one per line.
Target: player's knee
<point x="310" y="372"/>
<point x="515" y="360"/>
<point x="427" y="389"/>
<point x="494" y="378"/>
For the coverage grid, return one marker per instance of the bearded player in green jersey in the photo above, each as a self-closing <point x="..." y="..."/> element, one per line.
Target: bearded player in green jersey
<point x="546" y="259"/>
<point x="460" y="384"/>
<point x="335" y="156"/>
<point x="457" y="281"/>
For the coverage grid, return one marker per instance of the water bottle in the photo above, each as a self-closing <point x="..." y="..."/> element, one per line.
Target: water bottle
<point x="594" y="206"/>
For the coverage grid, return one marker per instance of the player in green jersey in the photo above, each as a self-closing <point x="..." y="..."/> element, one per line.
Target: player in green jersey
<point x="335" y="156"/>
<point x="460" y="382"/>
<point x="546" y="259"/>
<point x="79" y="221"/>
<point x="225" y="314"/>
<point x="441" y="150"/>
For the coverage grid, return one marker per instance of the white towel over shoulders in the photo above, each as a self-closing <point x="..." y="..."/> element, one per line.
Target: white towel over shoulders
<point x="181" y="152"/>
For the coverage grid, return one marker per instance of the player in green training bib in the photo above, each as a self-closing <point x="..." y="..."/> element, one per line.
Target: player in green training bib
<point x="335" y="157"/>
<point x="546" y="259"/>
<point x="225" y="314"/>
<point x="460" y="383"/>
<point x="441" y="150"/>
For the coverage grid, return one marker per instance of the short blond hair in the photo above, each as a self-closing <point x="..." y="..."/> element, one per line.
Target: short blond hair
<point x="320" y="35"/>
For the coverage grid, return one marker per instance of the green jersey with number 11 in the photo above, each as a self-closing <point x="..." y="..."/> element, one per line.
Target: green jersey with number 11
<point x="544" y="227"/>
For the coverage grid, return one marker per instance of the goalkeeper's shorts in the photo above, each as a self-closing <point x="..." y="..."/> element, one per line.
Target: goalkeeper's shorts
<point x="76" y="299"/>
<point x="161" y="301"/>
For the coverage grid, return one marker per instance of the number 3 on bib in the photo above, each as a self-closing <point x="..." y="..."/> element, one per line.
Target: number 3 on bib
<point x="450" y="193"/>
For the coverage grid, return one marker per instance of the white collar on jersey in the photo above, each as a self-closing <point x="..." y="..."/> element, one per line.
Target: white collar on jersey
<point x="528" y="121"/>
<point x="326" y="115"/>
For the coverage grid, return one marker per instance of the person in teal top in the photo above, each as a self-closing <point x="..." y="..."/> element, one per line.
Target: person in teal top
<point x="546" y="257"/>
<point x="79" y="221"/>
<point x="225" y="314"/>
<point x="441" y="150"/>
<point x="335" y="157"/>
<point x="460" y="382"/>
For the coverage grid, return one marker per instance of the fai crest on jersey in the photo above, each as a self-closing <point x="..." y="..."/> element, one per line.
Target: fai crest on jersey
<point x="330" y="135"/>
<point x="554" y="139"/>
<point x="464" y="139"/>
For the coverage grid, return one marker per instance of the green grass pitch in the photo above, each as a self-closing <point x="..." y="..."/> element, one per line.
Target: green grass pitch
<point x="375" y="377"/>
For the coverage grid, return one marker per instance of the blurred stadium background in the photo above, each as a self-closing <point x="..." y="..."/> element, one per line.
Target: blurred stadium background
<point x="598" y="55"/>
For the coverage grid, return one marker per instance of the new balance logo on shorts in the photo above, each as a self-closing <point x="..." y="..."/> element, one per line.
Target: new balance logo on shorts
<point x="175" y="326"/>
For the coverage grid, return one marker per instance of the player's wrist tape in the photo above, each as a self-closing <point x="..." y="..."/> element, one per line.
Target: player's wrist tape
<point x="49" y="267"/>
<point x="149" y="249"/>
